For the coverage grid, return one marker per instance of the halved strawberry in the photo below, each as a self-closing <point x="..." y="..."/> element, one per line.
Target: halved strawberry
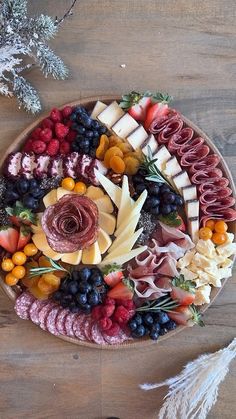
<point x="21" y="215"/>
<point x="139" y="110"/>
<point x="9" y="238"/>
<point x="124" y="290"/>
<point x="24" y="237"/>
<point x="156" y="111"/>
<point x="186" y="316"/>
<point x="183" y="291"/>
<point x="113" y="275"/>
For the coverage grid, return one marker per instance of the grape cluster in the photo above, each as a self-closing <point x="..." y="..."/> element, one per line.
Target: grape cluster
<point x="161" y="199"/>
<point x="28" y="191"/>
<point x="150" y="324"/>
<point x="81" y="290"/>
<point x="88" y="131"/>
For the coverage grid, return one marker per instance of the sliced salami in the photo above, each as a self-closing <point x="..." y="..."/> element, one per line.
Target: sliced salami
<point x="43" y="314"/>
<point x="115" y="340"/>
<point x="87" y="325"/>
<point x="60" y="321"/>
<point x="78" y="326"/>
<point x="203" y="176"/>
<point x="171" y="128"/>
<point x="51" y="320"/>
<point x="159" y="123"/>
<point x="218" y="183"/>
<point x="220" y="204"/>
<point x="23" y="304"/>
<point x="179" y="138"/>
<point x="69" y="320"/>
<point x="199" y="152"/>
<point x="208" y="162"/>
<point x="96" y="334"/>
<point x="35" y="310"/>
<point x="228" y="214"/>
<point x="210" y="196"/>
<point x="190" y="146"/>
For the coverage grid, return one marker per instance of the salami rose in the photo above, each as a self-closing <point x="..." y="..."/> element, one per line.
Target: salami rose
<point x="71" y="224"/>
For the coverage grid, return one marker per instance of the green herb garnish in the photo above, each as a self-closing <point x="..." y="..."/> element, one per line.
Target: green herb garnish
<point x="165" y="305"/>
<point x="47" y="269"/>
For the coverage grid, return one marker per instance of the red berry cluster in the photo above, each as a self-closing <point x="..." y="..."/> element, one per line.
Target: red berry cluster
<point x="113" y="315"/>
<point x="54" y="135"/>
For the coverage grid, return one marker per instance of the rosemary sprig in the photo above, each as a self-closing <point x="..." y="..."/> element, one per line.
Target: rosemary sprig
<point x="154" y="174"/>
<point x="165" y="305"/>
<point x="47" y="269"/>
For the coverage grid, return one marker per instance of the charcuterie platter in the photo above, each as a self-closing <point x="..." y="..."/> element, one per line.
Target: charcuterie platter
<point x="117" y="221"/>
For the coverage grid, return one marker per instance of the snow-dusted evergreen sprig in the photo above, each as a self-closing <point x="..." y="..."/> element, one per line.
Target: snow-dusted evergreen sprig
<point x="21" y="36"/>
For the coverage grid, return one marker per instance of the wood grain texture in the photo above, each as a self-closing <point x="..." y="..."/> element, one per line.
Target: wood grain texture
<point x="188" y="49"/>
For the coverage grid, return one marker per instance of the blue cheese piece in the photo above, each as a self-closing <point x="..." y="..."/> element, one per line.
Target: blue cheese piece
<point x="202" y="295"/>
<point x="181" y="180"/>
<point x="111" y="114"/>
<point x="162" y="156"/>
<point x="98" y="108"/>
<point x="150" y="144"/>
<point x="226" y="250"/>
<point x="189" y="192"/>
<point x="186" y="259"/>
<point x="206" y="248"/>
<point x="124" y="126"/>
<point x="137" y="137"/>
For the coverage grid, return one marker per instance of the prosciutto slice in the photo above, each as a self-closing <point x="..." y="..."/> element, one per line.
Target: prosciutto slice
<point x="179" y="138"/>
<point x="208" y="162"/>
<point x="172" y="127"/>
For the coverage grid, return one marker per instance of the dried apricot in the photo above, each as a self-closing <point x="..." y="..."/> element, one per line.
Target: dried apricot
<point x="117" y="164"/>
<point x="113" y="151"/>
<point x="131" y="165"/>
<point x="125" y="147"/>
<point x="137" y="154"/>
<point x="27" y="281"/>
<point x="37" y="293"/>
<point x="48" y="283"/>
<point x="103" y="147"/>
<point x="114" y="140"/>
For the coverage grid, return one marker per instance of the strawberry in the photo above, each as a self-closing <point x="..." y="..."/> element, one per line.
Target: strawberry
<point x="61" y="130"/>
<point x="112" y="275"/>
<point x="46" y="135"/>
<point x="9" y="238"/>
<point x="56" y="115"/>
<point x="123" y="290"/>
<point x="24" y="237"/>
<point x="186" y="316"/>
<point x="183" y="291"/>
<point x="158" y="110"/>
<point x="21" y="215"/>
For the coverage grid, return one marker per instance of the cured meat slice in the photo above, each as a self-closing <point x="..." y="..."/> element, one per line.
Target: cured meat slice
<point x="180" y="138"/>
<point x="220" y="204"/>
<point x="69" y="320"/>
<point x="212" y="195"/>
<point x="69" y="164"/>
<point x="199" y="152"/>
<point x="87" y="325"/>
<point x="78" y="326"/>
<point x="208" y="162"/>
<point x="51" y="320"/>
<point x="60" y="321"/>
<point x="218" y="183"/>
<point x="158" y="124"/>
<point x="172" y="127"/>
<point x="35" y="310"/>
<point x="96" y="334"/>
<point x="23" y="304"/>
<point x="190" y="146"/>
<point x="227" y="214"/>
<point x="210" y="175"/>
<point x="116" y="340"/>
<point x="43" y="314"/>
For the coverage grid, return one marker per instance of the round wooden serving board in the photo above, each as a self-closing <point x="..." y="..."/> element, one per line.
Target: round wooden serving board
<point x="89" y="103"/>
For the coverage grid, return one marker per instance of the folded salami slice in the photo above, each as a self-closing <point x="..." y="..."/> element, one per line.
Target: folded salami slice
<point x="210" y="175"/>
<point x="158" y="124"/>
<point x="210" y="196"/>
<point x="173" y="126"/>
<point x="218" y="183"/>
<point x="199" y="152"/>
<point x="208" y="162"/>
<point x="179" y="138"/>
<point x="220" y="204"/>
<point x="190" y="146"/>
<point x="226" y="214"/>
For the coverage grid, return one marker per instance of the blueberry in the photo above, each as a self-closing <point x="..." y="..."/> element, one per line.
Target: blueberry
<point x="154" y="189"/>
<point x="84" y="143"/>
<point x="96" y="134"/>
<point x="72" y="305"/>
<point x="86" y="150"/>
<point x="162" y="317"/>
<point x="138" y="179"/>
<point x="85" y="274"/>
<point x="84" y="286"/>
<point x="75" y="275"/>
<point x="138" y="319"/>
<point x="22" y="186"/>
<point x="66" y="299"/>
<point x="148" y="319"/>
<point x="64" y="284"/>
<point x="165" y="209"/>
<point x="95" y="142"/>
<point x="151" y="202"/>
<point x="102" y="130"/>
<point x="156" y="327"/>
<point x="92" y="152"/>
<point x="80" y="110"/>
<point x="164" y="188"/>
<point x="33" y="183"/>
<point x="93" y="298"/>
<point x="85" y="120"/>
<point x="80" y="129"/>
<point x="81" y="298"/>
<point x="30" y="202"/>
<point x="73" y="287"/>
<point x="64" y="304"/>
<point x="155" y="210"/>
<point x="96" y="279"/>
<point x="11" y="196"/>
<point x="74" y="309"/>
<point x="73" y="117"/>
<point x="163" y="331"/>
<point x="74" y="126"/>
<point x="170" y="325"/>
<point x="168" y="197"/>
<point x="173" y="208"/>
<point x="75" y="147"/>
<point x="95" y="125"/>
<point x="179" y="200"/>
<point x="37" y="192"/>
<point x="140" y="188"/>
<point x="139" y="332"/>
<point x="154" y="335"/>
<point x="133" y="325"/>
<point x="57" y="295"/>
<point x="89" y="134"/>
<point x="87" y="308"/>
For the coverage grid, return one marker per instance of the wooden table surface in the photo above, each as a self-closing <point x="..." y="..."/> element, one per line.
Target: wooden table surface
<point x="187" y="48"/>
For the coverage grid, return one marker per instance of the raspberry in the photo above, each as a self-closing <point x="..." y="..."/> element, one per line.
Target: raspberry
<point x="28" y="145"/>
<point x="47" y="123"/>
<point x="109" y="301"/>
<point x="97" y="313"/>
<point x="108" y="310"/>
<point x="55" y="115"/>
<point x="67" y="111"/>
<point x="53" y="147"/>
<point x="61" y="130"/>
<point x="113" y="330"/>
<point x="35" y="134"/>
<point x="65" y="147"/>
<point x="71" y="136"/>
<point x="68" y="123"/>
<point x="46" y="135"/>
<point x="121" y="315"/>
<point x="38" y="146"/>
<point x="105" y="323"/>
<point x="129" y="304"/>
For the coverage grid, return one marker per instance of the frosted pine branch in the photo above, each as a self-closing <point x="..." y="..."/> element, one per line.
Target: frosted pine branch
<point x="26" y="94"/>
<point x="51" y="63"/>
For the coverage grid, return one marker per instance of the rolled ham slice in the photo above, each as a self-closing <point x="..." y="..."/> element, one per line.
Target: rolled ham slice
<point x="208" y="162"/>
<point x="180" y="138"/>
<point x="173" y="126"/>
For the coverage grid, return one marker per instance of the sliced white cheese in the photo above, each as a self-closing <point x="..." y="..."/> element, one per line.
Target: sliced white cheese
<point x="111" y="114"/>
<point x="104" y="204"/>
<point x="72" y="258"/>
<point x="162" y="156"/>
<point x="123" y="258"/>
<point x="104" y="241"/>
<point x="124" y="126"/>
<point x="206" y="248"/>
<point x="50" y="198"/>
<point x="136" y="209"/>
<point x="98" y="108"/>
<point x="189" y="192"/>
<point x="111" y="189"/>
<point x="186" y="259"/>
<point x="94" y="192"/>
<point x="192" y="208"/>
<point x="61" y="192"/>
<point x="193" y="228"/>
<point x="202" y="295"/>
<point x="126" y="246"/>
<point x="137" y="137"/>
<point x="52" y="255"/>
<point x="172" y="167"/>
<point x="92" y="255"/>
<point x="181" y="180"/>
<point x="107" y="222"/>
<point x="188" y="275"/>
<point x="126" y="233"/>
<point x="152" y="143"/>
<point x="125" y="202"/>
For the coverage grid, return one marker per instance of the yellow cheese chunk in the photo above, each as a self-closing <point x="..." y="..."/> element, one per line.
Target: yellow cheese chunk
<point x="40" y="241"/>
<point x="104" y="204"/>
<point x="104" y="241"/>
<point x="92" y="255"/>
<point x="107" y="222"/>
<point x="61" y="192"/>
<point x="50" y="198"/>
<point x="123" y="258"/>
<point x="72" y="258"/>
<point x="126" y="233"/>
<point x="127" y="245"/>
<point x="94" y="192"/>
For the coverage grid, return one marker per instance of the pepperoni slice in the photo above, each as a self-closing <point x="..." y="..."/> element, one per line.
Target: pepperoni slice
<point x="70" y="318"/>
<point x="51" y="320"/>
<point x="43" y="314"/>
<point x="180" y="138"/>
<point x="172" y="127"/>
<point x="60" y="321"/>
<point x="23" y="304"/>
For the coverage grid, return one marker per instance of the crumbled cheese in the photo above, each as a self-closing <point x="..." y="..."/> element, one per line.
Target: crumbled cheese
<point x="227" y="249"/>
<point x="202" y="295"/>
<point x="206" y="248"/>
<point x="188" y="275"/>
<point x="202" y="261"/>
<point x="186" y="259"/>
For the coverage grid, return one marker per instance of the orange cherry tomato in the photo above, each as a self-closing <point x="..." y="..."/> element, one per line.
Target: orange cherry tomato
<point x="7" y="265"/>
<point x="30" y="249"/>
<point x="205" y="233"/>
<point x="11" y="280"/>
<point x="80" y="188"/>
<point x="68" y="183"/>
<point x="19" y="272"/>
<point x="221" y="227"/>
<point x="219" y="238"/>
<point x="210" y="224"/>
<point x="19" y="258"/>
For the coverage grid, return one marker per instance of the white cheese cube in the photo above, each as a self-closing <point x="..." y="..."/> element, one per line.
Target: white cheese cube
<point x="137" y="137"/>
<point x="226" y="263"/>
<point x="124" y="126"/>
<point x="202" y="261"/>
<point x="111" y="114"/>
<point x="162" y="156"/>
<point x="188" y="275"/>
<point x="230" y="238"/>
<point x="150" y="144"/>
<point x="202" y="295"/>
<point x="192" y="208"/>
<point x="206" y="248"/>
<point x="98" y="108"/>
<point x="193" y="228"/>
<point x="205" y="278"/>
<point x="226" y="250"/>
<point x="181" y="180"/>
<point x="224" y="273"/>
<point x="189" y="192"/>
<point x="172" y="167"/>
<point x="186" y="259"/>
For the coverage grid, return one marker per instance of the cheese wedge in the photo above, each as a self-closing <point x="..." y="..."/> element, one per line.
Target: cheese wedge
<point x="181" y="180"/>
<point x="126" y="233"/>
<point x="111" y="189"/>
<point x="111" y="114"/>
<point x="123" y="258"/>
<point x="192" y="208"/>
<point x="126" y="246"/>
<point x="104" y="204"/>
<point x="104" y="241"/>
<point x="152" y="143"/>
<point x="162" y="156"/>
<point x="61" y="192"/>
<point x="124" y="126"/>
<point x="135" y="210"/>
<point x="50" y="198"/>
<point x="107" y="222"/>
<point x="137" y="137"/>
<point x="40" y="241"/>
<point x="72" y="258"/>
<point x="52" y="255"/>
<point x="125" y="202"/>
<point x="92" y="255"/>
<point x="98" y="108"/>
<point x="189" y="192"/>
<point x="94" y="192"/>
